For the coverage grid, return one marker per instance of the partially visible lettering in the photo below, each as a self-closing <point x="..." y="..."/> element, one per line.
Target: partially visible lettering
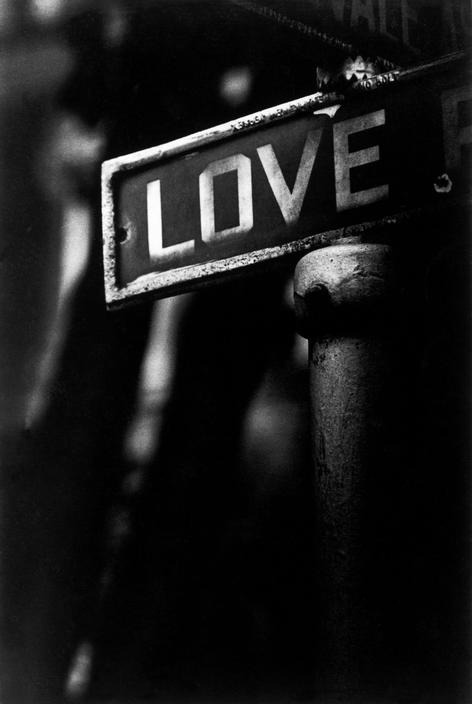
<point x="398" y="19"/>
<point x="363" y="10"/>
<point x="409" y="23"/>
<point x="455" y="135"/>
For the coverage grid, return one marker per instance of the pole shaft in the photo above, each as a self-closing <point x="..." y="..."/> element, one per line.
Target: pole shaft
<point x="344" y="297"/>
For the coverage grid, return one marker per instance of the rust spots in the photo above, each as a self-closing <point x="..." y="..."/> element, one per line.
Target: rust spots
<point x="122" y="235"/>
<point x="443" y="184"/>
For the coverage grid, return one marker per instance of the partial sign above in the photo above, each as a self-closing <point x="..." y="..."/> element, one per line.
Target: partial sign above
<point x="403" y="31"/>
<point x="277" y="182"/>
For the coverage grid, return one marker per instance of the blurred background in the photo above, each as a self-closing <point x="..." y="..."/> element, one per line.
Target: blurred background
<point x="93" y="402"/>
<point x="156" y="519"/>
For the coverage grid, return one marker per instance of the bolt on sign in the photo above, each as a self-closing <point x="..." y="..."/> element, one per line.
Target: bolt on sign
<point x="285" y="180"/>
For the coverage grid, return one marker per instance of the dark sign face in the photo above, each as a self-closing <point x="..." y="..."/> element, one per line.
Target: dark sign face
<point x="279" y="181"/>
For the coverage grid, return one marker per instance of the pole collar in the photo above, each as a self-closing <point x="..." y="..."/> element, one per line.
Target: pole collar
<point x="344" y="287"/>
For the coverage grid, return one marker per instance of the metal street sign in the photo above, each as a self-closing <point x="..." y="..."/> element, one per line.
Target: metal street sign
<point x="285" y="180"/>
<point x="400" y="30"/>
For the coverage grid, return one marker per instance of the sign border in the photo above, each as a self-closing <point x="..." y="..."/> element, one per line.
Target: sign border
<point x="197" y="275"/>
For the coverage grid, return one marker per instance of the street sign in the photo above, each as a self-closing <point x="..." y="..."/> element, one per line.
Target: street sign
<point x="285" y="180"/>
<point x="403" y="31"/>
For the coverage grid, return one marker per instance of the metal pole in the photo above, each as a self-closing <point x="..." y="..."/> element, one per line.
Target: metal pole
<point x="344" y="298"/>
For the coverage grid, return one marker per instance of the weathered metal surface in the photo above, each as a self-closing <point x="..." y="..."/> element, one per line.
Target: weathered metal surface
<point x="282" y="181"/>
<point x="345" y="296"/>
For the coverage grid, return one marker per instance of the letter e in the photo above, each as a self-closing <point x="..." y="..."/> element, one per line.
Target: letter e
<point x="344" y="161"/>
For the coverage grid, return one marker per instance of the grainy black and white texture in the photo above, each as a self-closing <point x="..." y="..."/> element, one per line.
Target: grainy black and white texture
<point x="174" y="524"/>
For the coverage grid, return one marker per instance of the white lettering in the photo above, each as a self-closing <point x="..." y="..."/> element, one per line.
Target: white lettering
<point x="241" y="164"/>
<point x="344" y="161"/>
<point x="450" y="34"/>
<point x="383" y="20"/>
<point x="333" y="9"/>
<point x="290" y="201"/>
<point x="157" y="251"/>
<point x="456" y="24"/>
<point x="454" y="135"/>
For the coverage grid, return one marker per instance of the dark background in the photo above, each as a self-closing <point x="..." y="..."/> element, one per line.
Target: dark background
<point x="157" y="531"/>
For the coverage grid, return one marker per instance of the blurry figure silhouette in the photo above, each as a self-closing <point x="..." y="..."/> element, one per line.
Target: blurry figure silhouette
<point x="142" y="77"/>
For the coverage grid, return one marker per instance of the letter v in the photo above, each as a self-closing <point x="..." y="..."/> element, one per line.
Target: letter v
<point x="290" y="202"/>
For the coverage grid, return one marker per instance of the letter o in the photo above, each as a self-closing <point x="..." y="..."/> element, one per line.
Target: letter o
<point x="241" y="164"/>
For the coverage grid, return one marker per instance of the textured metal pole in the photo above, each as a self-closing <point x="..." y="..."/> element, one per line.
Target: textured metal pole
<point x="344" y="298"/>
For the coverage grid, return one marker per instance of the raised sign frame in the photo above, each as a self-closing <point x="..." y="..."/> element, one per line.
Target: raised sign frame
<point x="178" y="280"/>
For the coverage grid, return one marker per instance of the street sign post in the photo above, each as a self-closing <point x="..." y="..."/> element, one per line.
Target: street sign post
<point x="278" y="184"/>
<point x="347" y="298"/>
<point x="284" y="181"/>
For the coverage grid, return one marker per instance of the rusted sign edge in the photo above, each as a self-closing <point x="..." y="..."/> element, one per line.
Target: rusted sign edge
<point x="227" y="129"/>
<point x="199" y="275"/>
<point x="112" y="168"/>
<point x="170" y="282"/>
<point x="112" y="290"/>
<point x="247" y="123"/>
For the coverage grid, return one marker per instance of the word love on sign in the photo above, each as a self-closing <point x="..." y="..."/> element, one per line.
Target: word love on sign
<point x="276" y="183"/>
